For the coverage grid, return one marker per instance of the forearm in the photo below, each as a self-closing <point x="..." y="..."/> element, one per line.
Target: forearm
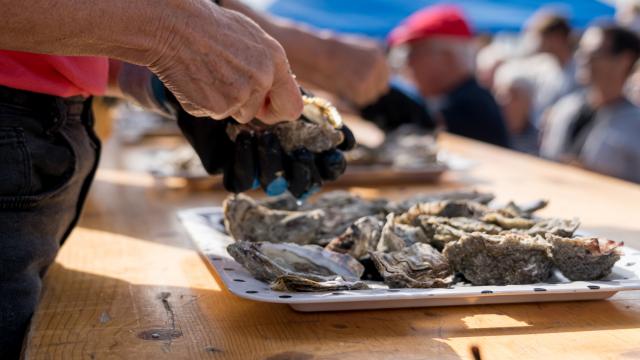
<point x="307" y="49"/>
<point x="121" y="29"/>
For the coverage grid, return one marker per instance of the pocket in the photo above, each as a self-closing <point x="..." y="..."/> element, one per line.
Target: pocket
<point x="15" y="167"/>
<point x="42" y="168"/>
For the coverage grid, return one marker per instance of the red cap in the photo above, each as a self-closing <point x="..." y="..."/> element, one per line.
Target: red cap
<point x="439" y="20"/>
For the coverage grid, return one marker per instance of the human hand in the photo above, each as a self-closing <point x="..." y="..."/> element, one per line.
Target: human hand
<point x="297" y="156"/>
<point x="219" y="63"/>
<point x="353" y="67"/>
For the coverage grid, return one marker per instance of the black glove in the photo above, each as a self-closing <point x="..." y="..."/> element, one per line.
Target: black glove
<point x="396" y="108"/>
<point x="257" y="158"/>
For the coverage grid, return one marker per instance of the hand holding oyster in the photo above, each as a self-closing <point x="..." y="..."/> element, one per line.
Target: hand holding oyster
<point x="298" y="155"/>
<point x="436" y="240"/>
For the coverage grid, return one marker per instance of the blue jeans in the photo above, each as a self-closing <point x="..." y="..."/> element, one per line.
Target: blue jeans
<point x="48" y="157"/>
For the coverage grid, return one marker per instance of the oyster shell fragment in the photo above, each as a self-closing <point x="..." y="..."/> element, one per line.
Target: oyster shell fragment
<point x="582" y="258"/>
<point x="416" y="266"/>
<point x="500" y="259"/>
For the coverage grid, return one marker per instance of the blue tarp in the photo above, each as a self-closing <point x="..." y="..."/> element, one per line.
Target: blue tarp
<point x="377" y="17"/>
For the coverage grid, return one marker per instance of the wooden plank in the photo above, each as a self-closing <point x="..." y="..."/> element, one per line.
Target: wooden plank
<point x="129" y="272"/>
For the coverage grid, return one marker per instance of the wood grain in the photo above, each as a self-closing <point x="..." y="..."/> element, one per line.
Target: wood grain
<point x="128" y="284"/>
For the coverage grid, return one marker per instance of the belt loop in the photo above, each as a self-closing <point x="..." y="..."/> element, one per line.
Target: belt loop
<point x="58" y="114"/>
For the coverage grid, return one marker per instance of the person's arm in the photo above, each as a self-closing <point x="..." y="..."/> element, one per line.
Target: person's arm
<point x="218" y="63"/>
<point x="349" y="66"/>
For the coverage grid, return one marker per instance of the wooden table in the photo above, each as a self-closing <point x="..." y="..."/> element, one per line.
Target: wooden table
<point x="130" y="271"/>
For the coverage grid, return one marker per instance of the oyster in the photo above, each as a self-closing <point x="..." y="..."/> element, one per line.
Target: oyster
<point x="396" y="236"/>
<point x="560" y="227"/>
<point x="301" y="284"/>
<point x="285" y="201"/>
<point x="416" y="266"/>
<point x="441" y="230"/>
<point x="474" y="196"/>
<point x="453" y="208"/>
<point x="507" y="222"/>
<point x="316" y="223"/>
<point x="245" y="220"/>
<point x="317" y="130"/>
<point x="342" y="209"/>
<point x="359" y="238"/>
<point x="269" y="261"/>
<point x="584" y="258"/>
<point x="500" y="259"/>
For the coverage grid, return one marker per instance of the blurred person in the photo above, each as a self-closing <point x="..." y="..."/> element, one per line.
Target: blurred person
<point x="514" y="92"/>
<point x="552" y="67"/>
<point x="488" y="60"/>
<point x="628" y="14"/>
<point x="441" y="58"/>
<point x="598" y="127"/>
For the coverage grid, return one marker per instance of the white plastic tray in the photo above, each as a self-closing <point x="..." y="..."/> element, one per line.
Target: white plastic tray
<point x="205" y="227"/>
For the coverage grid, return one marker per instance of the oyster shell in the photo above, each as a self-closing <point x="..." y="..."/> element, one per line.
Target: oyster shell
<point x="454" y="208"/>
<point x="416" y="266"/>
<point x="500" y="259"/>
<point x="396" y="236"/>
<point x="316" y="130"/>
<point x="584" y="258"/>
<point x="269" y="261"/>
<point x="506" y="222"/>
<point x="474" y="196"/>
<point x="441" y="230"/>
<point x="559" y="227"/>
<point x="301" y="284"/>
<point x="246" y="220"/>
<point x="359" y="239"/>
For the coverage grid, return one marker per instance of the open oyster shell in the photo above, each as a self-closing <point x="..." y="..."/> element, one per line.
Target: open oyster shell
<point x="582" y="258"/>
<point x="416" y="266"/>
<point x="500" y="259"/>
<point x="301" y="284"/>
<point x="268" y="261"/>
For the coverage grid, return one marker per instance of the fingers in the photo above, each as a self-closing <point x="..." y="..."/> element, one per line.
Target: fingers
<point x="270" y="160"/>
<point x="283" y="101"/>
<point x="302" y="174"/>
<point x="240" y="173"/>
<point x="331" y="164"/>
<point x="349" y="141"/>
<point x="248" y="111"/>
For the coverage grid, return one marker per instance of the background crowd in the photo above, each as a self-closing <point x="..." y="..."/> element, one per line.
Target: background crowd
<point x="563" y="93"/>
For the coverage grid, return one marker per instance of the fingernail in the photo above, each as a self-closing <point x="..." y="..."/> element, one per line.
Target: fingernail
<point x="277" y="186"/>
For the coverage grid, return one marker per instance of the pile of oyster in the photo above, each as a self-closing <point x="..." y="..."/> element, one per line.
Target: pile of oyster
<point x="344" y="242"/>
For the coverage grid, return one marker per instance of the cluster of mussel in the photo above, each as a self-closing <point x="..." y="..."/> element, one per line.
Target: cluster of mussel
<point x="344" y="242"/>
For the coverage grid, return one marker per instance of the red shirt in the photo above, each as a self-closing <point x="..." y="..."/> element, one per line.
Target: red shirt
<point x="63" y="76"/>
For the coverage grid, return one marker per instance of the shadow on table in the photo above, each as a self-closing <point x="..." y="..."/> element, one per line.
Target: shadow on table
<point x="84" y="315"/>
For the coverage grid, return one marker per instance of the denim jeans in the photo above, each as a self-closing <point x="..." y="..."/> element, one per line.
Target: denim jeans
<point x="48" y="156"/>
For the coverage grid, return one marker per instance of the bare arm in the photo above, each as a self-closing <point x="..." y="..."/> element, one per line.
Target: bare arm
<point x="218" y="63"/>
<point x="127" y="30"/>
